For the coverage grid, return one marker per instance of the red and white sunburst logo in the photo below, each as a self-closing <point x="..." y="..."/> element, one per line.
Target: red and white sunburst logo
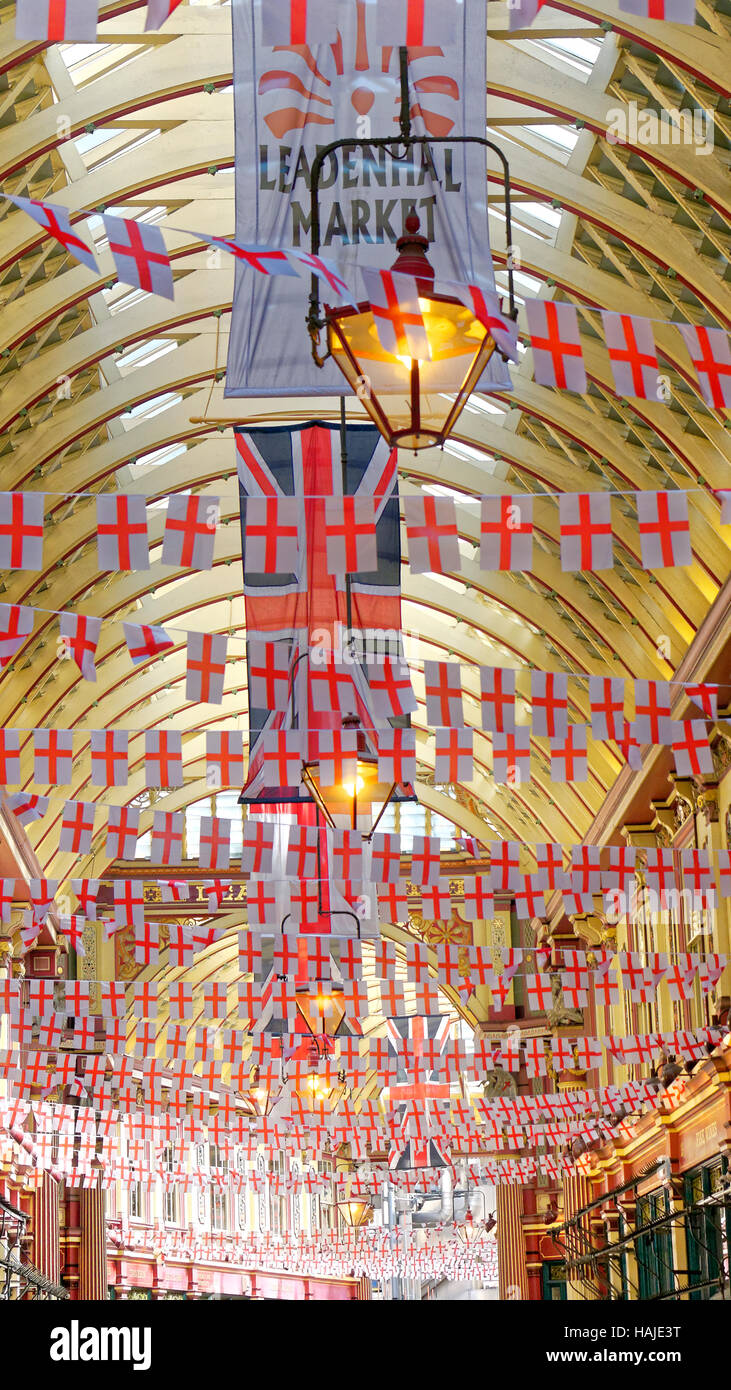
<point x="294" y="92"/>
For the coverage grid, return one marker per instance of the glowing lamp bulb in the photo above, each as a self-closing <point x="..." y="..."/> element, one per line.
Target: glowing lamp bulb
<point x="351" y="788"/>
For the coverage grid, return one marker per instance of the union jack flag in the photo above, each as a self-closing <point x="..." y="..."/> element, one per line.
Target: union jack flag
<point x="310" y="606"/>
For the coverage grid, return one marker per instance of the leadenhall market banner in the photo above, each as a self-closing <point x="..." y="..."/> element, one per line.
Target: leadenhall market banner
<point x="288" y="102"/>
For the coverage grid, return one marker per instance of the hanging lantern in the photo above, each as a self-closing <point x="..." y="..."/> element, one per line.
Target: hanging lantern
<point x="415" y="404"/>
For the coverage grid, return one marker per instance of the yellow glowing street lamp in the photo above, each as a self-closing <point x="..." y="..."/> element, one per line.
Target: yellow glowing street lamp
<point x="360" y="792"/>
<point x="356" y="1211"/>
<point x="414" y="403"/>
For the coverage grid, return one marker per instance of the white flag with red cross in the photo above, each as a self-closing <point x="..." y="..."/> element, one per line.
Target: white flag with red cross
<point x="163" y="758"/>
<point x="224" y="758"/>
<point x="267" y="260"/>
<point x="710" y="352"/>
<point x="122" y="830"/>
<point x="54" y="220"/>
<point x="109" y="751"/>
<point x="394" y="301"/>
<point x="347" y="855"/>
<point x="487" y="309"/>
<point x="52" y="757"/>
<point x="57" y="21"/>
<point x="677" y="11"/>
<point x="269" y="668"/>
<point x="337" y="751"/>
<point x="257" y="850"/>
<point x="350" y="535"/>
<point x="331" y="684"/>
<point x="272" y="531"/>
<point x="549" y="703"/>
<point x="478" y="904"/>
<point x="568" y="755"/>
<point x="453" y="755"/>
<point x="21" y="531"/>
<point x="80" y="636"/>
<point x="556" y="343"/>
<point x="652" y="722"/>
<point x="385" y="866"/>
<point x="511" y="757"/>
<point x="145" y="641"/>
<point x="298" y="22"/>
<point x="86" y="890"/>
<point x="443" y="689"/>
<point x="620" y="872"/>
<point x="606" y="701"/>
<point x="190" y="531"/>
<point x="206" y="667"/>
<point x="389" y="682"/>
<point x="425" y="859"/>
<point x="397" y="756"/>
<point x="497" y="699"/>
<point x="303" y="851"/>
<point x="417" y="23"/>
<point x="166" y="840"/>
<point x="662" y="518"/>
<point x="705" y="696"/>
<point x="282" y="752"/>
<point x="506" y="533"/>
<point x="585" y="524"/>
<point x="325" y="270"/>
<point x="77" y="827"/>
<point x="691" y="749"/>
<point x="214" y="850"/>
<point x="129" y="902"/>
<point x="139" y="255"/>
<point x="550" y="872"/>
<point x="431" y="529"/>
<point x="632" y="355"/>
<point x="16" y="623"/>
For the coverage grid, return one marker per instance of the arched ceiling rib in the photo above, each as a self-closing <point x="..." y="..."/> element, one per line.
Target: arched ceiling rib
<point x="642" y="228"/>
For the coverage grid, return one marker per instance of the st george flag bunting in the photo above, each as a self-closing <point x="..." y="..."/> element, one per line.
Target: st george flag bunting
<point x="549" y="703"/>
<point x="417" y="23"/>
<point x="121" y="530"/>
<point x="606" y="700"/>
<point x="58" y="21"/>
<point x="21" y="530"/>
<point x="54" y="220"/>
<point x="289" y="22"/>
<point x="145" y="641"/>
<point x="431" y="529"/>
<point x="224" y="758"/>
<point x="52" y="757"/>
<point x="506" y="533"/>
<point x="391" y="690"/>
<point x="488" y="311"/>
<point x="585" y="520"/>
<point x="109" y="748"/>
<point x="206" y="668"/>
<point x="269" y="666"/>
<point x="77" y="827"/>
<point x="163" y="758"/>
<point x="497" y="699"/>
<point x="632" y="354"/>
<point x="190" y="531"/>
<point x="272" y="529"/>
<point x="79" y="637"/>
<point x="556" y="343"/>
<point x="453" y="755"/>
<point x="677" y="11"/>
<point x="443" y="689"/>
<point x="16" y="623"/>
<point x="710" y="353"/>
<point x="139" y="255"/>
<point x="394" y="301"/>
<point x="662" y="518"/>
<point x="350" y="535"/>
<point x="511" y="757"/>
